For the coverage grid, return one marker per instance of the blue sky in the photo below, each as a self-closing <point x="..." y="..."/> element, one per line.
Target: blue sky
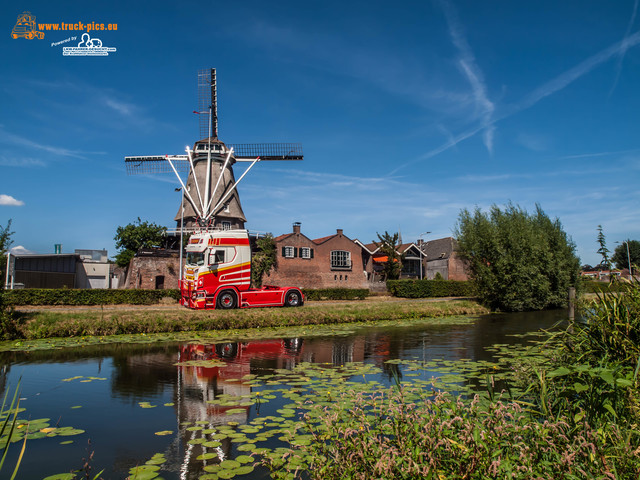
<point x="407" y="112"/>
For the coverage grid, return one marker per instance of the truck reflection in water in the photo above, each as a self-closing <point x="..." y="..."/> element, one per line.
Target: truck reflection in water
<point x="199" y="385"/>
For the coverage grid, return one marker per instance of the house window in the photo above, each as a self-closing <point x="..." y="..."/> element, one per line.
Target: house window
<point x="288" y="252"/>
<point x="306" y="252"/>
<point x="226" y="225"/>
<point x="340" y="259"/>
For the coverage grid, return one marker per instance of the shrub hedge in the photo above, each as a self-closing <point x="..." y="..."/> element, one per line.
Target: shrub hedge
<point x="430" y="288"/>
<point x="64" y="296"/>
<point x="336" y="293"/>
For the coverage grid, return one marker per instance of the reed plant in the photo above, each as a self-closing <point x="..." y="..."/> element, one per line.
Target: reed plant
<point x="591" y="372"/>
<point x="8" y="424"/>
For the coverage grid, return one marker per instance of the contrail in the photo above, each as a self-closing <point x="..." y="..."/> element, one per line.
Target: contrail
<point x="555" y="85"/>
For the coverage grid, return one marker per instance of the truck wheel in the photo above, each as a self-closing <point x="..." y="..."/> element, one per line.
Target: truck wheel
<point x="227" y="300"/>
<point x="293" y="299"/>
<point x="227" y="350"/>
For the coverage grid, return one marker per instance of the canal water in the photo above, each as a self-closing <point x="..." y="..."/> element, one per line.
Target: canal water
<point x="124" y="403"/>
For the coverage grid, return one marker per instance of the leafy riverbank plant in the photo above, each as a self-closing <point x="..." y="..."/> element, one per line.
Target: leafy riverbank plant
<point x="570" y="409"/>
<point x="594" y="370"/>
<point x="384" y="436"/>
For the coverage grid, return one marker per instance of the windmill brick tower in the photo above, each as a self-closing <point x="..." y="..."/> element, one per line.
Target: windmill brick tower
<point x="210" y="198"/>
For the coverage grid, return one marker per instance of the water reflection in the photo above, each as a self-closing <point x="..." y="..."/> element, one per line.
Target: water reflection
<point x="184" y="396"/>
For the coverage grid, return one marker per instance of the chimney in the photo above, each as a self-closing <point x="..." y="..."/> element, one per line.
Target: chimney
<point x="339" y="231"/>
<point x="296" y="227"/>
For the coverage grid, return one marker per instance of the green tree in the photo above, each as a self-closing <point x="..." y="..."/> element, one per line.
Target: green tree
<point x="388" y="245"/>
<point x="263" y="260"/>
<point x="5" y="243"/>
<point x="519" y="261"/>
<point x="134" y="236"/>
<point x="603" y="250"/>
<point x="620" y="257"/>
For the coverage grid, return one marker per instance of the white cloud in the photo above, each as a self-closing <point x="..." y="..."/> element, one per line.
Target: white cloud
<point x="533" y="142"/>
<point x="20" y="162"/>
<point x="121" y="107"/>
<point x="8" y="200"/>
<point x="20" y="250"/>
<point x="13" y="139"/>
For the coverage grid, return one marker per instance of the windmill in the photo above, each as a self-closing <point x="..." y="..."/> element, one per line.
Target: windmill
<point x="210" y="191"/>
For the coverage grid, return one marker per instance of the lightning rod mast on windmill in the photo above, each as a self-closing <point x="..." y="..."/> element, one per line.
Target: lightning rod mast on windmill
<point x="218" y="268"/>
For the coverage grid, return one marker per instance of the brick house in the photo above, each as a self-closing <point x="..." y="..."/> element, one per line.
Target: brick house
<point x="327" y="262"/>
<point x="410" y="261"/>
<point x="440" y="257"/>
<point x="373" y="260"/>
<point x="153" y="269"/>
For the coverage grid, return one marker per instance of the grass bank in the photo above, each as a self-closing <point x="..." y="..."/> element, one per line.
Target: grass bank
<point x="47" y="323"/>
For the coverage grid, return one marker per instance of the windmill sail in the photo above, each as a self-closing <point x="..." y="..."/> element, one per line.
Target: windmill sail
<point x="211" y="199"/>
<point x="229" y="215"/>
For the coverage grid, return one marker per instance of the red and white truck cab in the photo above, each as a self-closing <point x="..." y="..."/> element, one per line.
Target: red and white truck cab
<point x="217" y="274"/>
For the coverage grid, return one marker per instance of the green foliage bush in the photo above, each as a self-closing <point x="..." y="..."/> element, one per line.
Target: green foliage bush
<point x="430" y="288"/>
<point x="63" y="296"/>
<point x="263" y="260"/>
<point x="134" y="236"/>
<point x="336" y="293"/>
<point x="519" y="261"/>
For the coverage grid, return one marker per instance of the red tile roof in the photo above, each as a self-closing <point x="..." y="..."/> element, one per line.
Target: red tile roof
<point x="318" y="241"/>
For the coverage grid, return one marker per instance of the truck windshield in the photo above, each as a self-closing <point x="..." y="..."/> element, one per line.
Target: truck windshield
<point x="195" y="258"/>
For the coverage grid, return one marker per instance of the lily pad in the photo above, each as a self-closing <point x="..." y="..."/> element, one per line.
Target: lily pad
<point x="229" y="464"/>
<point x="207" y="456"/>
